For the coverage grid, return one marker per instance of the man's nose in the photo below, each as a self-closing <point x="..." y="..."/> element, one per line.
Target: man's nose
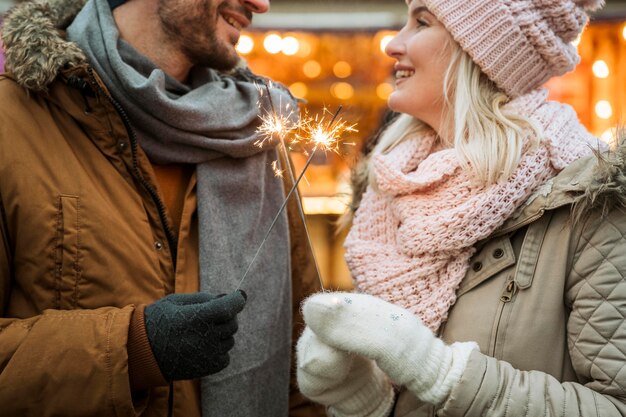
<point x="257" y="6"/>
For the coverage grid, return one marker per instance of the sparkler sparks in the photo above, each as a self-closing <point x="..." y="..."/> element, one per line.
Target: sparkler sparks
<point x="274" y="124"/>
<point x="322" y="135"/>
<point x="311" y="131"/>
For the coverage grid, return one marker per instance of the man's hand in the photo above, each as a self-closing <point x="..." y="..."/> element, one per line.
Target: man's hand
<point x="191" y="334"/>
<point x="351" y="385"/>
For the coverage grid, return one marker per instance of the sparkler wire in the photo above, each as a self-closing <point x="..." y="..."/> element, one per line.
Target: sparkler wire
<point x="283" y="148"/>
<point x="295" y="185"/>
<point x="282" y="207"/>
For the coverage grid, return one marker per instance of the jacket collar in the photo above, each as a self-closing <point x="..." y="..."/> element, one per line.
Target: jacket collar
<point x="595" y="182"/>
<point x="35" y="45"/>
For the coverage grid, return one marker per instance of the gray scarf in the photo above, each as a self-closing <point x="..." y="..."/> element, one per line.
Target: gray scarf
<point x="212" y="123"/>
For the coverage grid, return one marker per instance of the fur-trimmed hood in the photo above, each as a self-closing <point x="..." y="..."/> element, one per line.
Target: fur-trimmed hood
<point x="603" y="186"/>
<point x="35" y="44"/>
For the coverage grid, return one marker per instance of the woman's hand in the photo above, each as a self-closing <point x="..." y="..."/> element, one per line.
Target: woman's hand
<point x="401" y="345"/>
<point x="351" y="385"/>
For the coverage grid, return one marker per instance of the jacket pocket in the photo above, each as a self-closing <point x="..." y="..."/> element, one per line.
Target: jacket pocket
<point x="67" y="255"/>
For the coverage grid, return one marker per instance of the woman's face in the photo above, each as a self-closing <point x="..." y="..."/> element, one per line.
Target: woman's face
<point x="422" y="51"/>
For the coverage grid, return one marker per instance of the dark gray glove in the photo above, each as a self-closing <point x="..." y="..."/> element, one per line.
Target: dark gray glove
<point x="191" y="334"/>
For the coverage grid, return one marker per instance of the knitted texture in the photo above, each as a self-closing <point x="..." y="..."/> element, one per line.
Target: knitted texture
<point x="398" y="341"/>
<point x="351" y="385"/>
<point x="411" y="241"/>
<point x="519" y="44"/>
<point x="191" y="334"/>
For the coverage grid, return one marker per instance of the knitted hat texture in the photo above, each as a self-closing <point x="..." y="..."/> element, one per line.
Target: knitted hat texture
<point x="518" y="44"/>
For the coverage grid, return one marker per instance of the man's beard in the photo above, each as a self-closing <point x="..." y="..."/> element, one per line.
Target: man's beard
<point x="192" y="29"/>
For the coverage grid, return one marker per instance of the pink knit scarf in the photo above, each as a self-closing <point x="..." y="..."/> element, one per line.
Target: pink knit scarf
<point x="411" y="241"/>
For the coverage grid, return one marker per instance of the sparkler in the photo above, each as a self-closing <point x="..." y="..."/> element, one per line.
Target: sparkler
<point x="312" y="131"/>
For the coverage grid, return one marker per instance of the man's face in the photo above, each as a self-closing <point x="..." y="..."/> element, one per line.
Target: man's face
<point x="206" y="31"/>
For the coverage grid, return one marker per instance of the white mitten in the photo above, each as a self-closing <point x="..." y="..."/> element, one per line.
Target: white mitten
<point x="351" y="385"/>
<point x="405" y="349"/>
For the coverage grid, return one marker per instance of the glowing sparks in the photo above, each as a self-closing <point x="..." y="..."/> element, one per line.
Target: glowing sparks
<point x="277" y="170"/>
<point x="323" y="134"/>
<point x="315" y="131"/>
<point x="274" y="126"/>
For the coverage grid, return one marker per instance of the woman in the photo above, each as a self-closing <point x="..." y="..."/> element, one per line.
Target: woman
<point x="488" y="246"/>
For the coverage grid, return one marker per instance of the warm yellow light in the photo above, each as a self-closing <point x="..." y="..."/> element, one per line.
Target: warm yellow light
<point x="290" y="45"/>
<point x="325" y="205"/>
<point x="245" y="45"/>
<point x="342" y="91"/>
<point x="299" y="89"/>
<point x="384" y="90"/>
<point x="624" y="32"/>
<point x="577" y="41"/>
<point x="608" y="136"/>
<point x="385" y="41"/>
<point x="342" y="69"/>
<point x="604" y="110"/>
<point x="312" y="69"/>
<point x="600" y="69"/>
<point x="305" y="49"/>
<point x="273" y="43"/>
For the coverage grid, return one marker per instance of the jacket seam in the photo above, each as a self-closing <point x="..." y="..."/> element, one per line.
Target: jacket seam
<point x="109" y="364"/>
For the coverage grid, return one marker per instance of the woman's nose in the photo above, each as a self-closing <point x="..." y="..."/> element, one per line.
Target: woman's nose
<point x="396" y="46"/>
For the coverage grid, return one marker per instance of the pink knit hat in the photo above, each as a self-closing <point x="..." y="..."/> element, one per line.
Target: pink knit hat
<point x="519" y="44"/>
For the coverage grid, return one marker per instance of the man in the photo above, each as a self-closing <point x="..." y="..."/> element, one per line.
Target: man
<point x="133" y="196"/>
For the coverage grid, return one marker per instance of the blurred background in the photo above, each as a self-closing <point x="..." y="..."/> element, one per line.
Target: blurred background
<point x="330" y="53"/>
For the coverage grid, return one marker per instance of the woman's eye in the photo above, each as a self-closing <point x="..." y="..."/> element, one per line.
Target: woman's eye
<point x="421" y="23"/>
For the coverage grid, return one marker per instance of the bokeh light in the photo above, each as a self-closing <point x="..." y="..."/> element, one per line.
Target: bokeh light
<point x="604" y="110"/>
<point x="305" y="49"/>
<point x="273" y="43"/>
<point x="245" y="45"/>
<point x="385" y="41"/>
<point x="290" y="45"/>
<point x="342" y="69"/>
<point x="384" y="90"/>
<point x="312" y="69"/>
<point x="299" y="89"/>
<point x="600" y="69"/>
<point x="342" y="91"/>
<point x="608" y="136"/>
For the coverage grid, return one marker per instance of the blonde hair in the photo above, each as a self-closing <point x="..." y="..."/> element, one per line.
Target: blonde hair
<point x="488" y="139"/>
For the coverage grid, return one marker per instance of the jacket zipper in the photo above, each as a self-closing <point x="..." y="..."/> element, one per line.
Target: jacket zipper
<point x="171" y="239"/>
<point x="505" y="298"/>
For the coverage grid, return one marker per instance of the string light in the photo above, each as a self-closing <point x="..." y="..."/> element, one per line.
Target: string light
<point x="608" y="137"/>
<point x="299" y="89"/>
<point x="290" y="45"/>
<point x="342" y="91"/>
<point x="273" y="43"/>
<point x="385" y="41"/>
<point x="305" y="49"/>
<point x="312" y="69"/>
<point x="342" y="69"/>
<point x="604" y="110"/>
<point x="384" y="90"/>
<point x="245" y="45"/>
<point x="600" y="69"/>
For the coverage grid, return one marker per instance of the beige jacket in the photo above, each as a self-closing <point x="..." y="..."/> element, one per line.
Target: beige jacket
<point x="545" y="299"/>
